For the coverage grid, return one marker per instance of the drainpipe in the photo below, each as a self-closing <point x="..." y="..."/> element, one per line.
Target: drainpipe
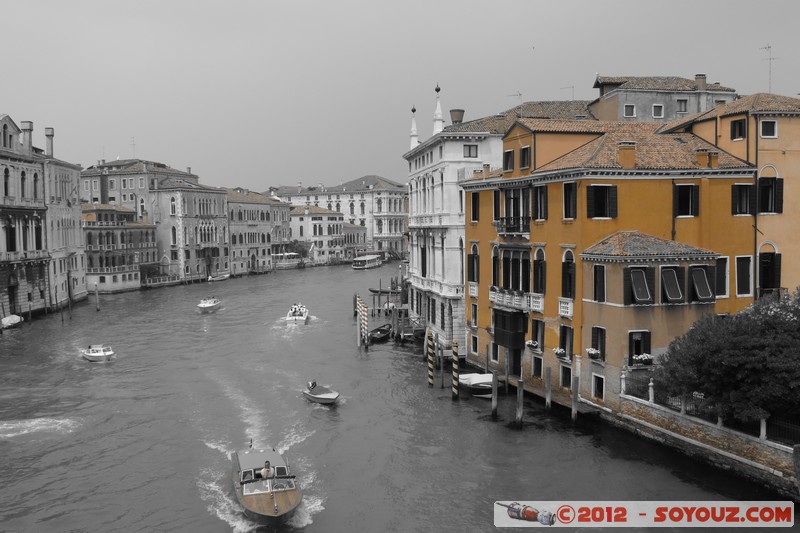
<point x="755" y="223"/>
<point x="673" y="208"/>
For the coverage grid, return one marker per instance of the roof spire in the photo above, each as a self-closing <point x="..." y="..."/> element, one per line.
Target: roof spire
<point x="414" y="136"/>
<point x="438" y="120"/>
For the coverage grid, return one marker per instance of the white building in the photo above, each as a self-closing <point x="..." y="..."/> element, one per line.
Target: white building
<point x="323" y="229"/>
<point x="436" y="206"/>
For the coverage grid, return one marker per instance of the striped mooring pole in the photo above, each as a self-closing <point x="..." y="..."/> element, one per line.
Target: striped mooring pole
<point x="431" y="355"/>
<point x="363" y="321"/>
<point x="455" y="370"/>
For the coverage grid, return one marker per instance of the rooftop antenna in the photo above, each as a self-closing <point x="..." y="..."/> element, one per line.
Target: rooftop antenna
<point x="518" y="95"/>
<point x="133" y="144"/>
<point x="573" y="90"/>
<point x="768" y="48"/>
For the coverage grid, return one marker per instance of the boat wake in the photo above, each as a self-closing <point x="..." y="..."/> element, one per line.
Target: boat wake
<point x="294" y="436"/>
<point x="220" y="504"/>
<point x="253" y="417"/>
<point x="310" y="506"/>
<point x="15" y="428"/>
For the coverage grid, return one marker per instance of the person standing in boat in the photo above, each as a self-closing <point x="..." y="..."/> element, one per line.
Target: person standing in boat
<point x="265" y="471"/>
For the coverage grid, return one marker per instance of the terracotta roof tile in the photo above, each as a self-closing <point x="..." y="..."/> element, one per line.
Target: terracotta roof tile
<point x="657" y="83"/>
<point x="501" y="122"/>
<point x="638" y="245"/>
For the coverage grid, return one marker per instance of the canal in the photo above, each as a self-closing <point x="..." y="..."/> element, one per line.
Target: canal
<point x="142" y="443"/>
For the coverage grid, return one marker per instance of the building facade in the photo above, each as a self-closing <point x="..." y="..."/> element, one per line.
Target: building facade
<point x="323" y="230"/>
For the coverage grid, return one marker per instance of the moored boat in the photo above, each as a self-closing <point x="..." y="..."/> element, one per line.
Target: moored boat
<point x="297" y="313"/>
<point x="209" y="304"/>
<point x="97" y="353"/>
<point x="11" y="321"/>
<point x="219" y="276"/>
<point x="267" y="500"/>
<point x="478" y="385"/>
<point x="320" y="394"/>
<point x="381" y="333"/>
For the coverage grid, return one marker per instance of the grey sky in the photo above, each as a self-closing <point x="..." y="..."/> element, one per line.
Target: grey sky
<point x="260" y="93"/>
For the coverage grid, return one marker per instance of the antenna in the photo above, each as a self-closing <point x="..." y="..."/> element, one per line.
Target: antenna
<point x="133" y="144"/>
<point x="573" y="90"/>
<point x="768" y="48"/>
<point x="518" y="95"/>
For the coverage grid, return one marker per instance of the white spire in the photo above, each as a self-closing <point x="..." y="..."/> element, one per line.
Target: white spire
<point x="438" y="121"/>
<point x="414" y="136"/>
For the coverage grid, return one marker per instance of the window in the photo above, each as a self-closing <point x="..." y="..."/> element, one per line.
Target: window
<point x="744" y="275"/>
<point x="658" y="111"/>
<point x="566" y="377"/>
<point x="495" y="353"/>
<point x="568" y="275"/>
<point x="599" y="285"/>
<point x="738" y="129"/>
<point x="598" y="350"/>
<point x="598" y="383"/>
<point x="539" y="272"/>
<point x="570" y="200"/>
<point x="537" y="366"/>
<point x="473" y="265"/>
<point x="470" y="150"/>
<point x="743" y="199"/>
<point x="701" y="288"/>
<point x="475" y="205"/>
<point x="721" y="277"/>
<point x="537" y="335"/>
<point x="671" y="283"/>
<point x="474" y="346"/>
<point x="769" y="129"/>
<point x="525" y="157"/>
<point x="685" y="200"/>
<point x="769" y="272"/>
<point x="111" y="184"/>
<point x="601" y="201"/>
<point x="540" y="202"/>
<point x="565" y="340"/>
<point x="637" y="283"/>
<point x="496" y="205"/>
<point x="682" y="106"/>
<point x="508" y="160"/>
<point x="172" y="206"/>
<point x="638" y="345"/>
<point x="770" y="195"/>
<point x="474" y="316"/>
<point x="629" y="110"/>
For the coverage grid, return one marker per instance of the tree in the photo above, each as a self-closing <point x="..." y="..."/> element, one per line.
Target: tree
<point x="747" y="366"/>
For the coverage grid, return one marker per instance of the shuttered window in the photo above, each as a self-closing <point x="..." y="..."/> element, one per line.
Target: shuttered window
<point x="641" y="292"/>
<point x="671" y="286"/>
<point x="701" y="288"/>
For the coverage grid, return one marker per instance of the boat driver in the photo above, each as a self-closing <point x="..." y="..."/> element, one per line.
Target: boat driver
<point x="265" y="471"/>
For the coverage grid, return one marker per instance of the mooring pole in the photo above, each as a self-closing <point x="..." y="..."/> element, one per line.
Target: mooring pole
<point x="455" y="370"/>
<point x="548" y="388"/>
<point x="96" y="297"/>
<point x="60" y="308"/>
<point x="494" y="394"/>
<point x="431" y="354"/>
<point x="520" y="395"/>
<point x="575" y="385"/>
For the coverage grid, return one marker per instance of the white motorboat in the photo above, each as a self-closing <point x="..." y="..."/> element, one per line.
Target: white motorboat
<point x="220" y="276"/>
<point x="208" y="305"/>
<point x="297" y="313"/>
<point x="320" y="394"/>
<point x="97" y="353"/>
<point x="11" y="321"/>
<point x="478" y="385"/>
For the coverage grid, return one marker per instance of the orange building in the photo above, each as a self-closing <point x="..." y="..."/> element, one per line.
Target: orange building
<point x="595" y="246"/>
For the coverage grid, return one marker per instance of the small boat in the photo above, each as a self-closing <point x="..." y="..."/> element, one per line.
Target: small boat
<point x="271" y="500"/>
<point x="297" y="313"/>
<point x="384" y="291"/>
<point x="320" y="394"/>
<point x="219" y="277"/>
<point x="207" y="305"/>
<point x="11" y="321"/>
<point x="380" y="334"/>
<point x="287" y="261"/>
<point x="364" y="262"/>
<point x="97" y="353"/>
<point x="478" y="385"/>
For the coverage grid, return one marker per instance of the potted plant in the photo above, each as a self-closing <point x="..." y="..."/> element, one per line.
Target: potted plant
<point x="643" y="359"/>
<point x="593" y="353"/>
<point x="560" y="352"/>
<point x="532" y="345"/>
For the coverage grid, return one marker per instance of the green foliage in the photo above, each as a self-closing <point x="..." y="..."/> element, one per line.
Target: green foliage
<point x="296" y="246"/>
<point x="747" y="366"/>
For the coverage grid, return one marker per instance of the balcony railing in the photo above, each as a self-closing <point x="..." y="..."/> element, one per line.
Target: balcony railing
<point x="112" y="270"/>
<point x="513" y="225"/>
<point x="537" y="302"/>
<point x="473" y="289"/>
<point x="565" y="307"/>
<point x="21" y="255"/>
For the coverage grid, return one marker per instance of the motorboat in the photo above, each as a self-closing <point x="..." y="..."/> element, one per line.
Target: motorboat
<point x="478" y="385"/>
<point x="320" y="394"/>
<point x="11" y="321"/>
<point x="380" y="334"/>
<point x="364" y="262"/>
<point x="287" y="261"/>
<point x="209" y="304"/>
<point x="219" y="276"/>
<point x="297" y="313"/>
<point x="97" y="353"/>
<point x="270" y="500"/>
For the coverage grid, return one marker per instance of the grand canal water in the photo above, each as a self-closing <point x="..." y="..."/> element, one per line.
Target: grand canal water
<point x="142" y="443"/>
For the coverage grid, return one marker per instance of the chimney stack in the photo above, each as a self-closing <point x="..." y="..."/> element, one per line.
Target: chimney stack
<point x="627" y="154"/>
<point x="27" y="132"/>
<point x="700" y="79"/>
<point x="188" y="170"/>
<point x="49" y="133"/>
<point x="702" y="157"/>
<point x="713" y="159"/>
<point x="457" y="116"/>
<point x="486" y="170"/>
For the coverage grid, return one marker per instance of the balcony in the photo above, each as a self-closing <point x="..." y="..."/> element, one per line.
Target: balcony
<point x="513" y="226"/>
<point x="22" y="255"/>
<point x="473" y="289"/>
<point x="536" y="302"/>
<point x="113" y="270"/>
<point x="565" y="307"/>
<point x="439" y="287"/>
<point x="508" y="298"/>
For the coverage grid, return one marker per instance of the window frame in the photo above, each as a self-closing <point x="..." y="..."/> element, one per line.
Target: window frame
<point x="625" y="113"/>
<point x="599" y="283"/>
<point x="698" y="275"/>
<point x="660" y="106"/>
<point x="680" y="209"/>
<point x="738" y="129"/>
<point x="469" y="152"/>
<point x="601" y="201"/>
<point x="749" y="273"/>
<point x="569" y="192"/>
<point x="598" y="378"/>
<point x="539" y="204"/>
<point x="525" y="157"/>
<point x="508" y="160"/>
<point x="674" y="270"/>
<point x="721" y="286"/>
<point x="775" y="129"/>
<point x="682" y="105"/>
<point x="599" y="336"/>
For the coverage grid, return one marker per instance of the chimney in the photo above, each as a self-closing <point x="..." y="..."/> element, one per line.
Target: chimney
<point x="299" y="187"/>
<point x="457" y="116"/>
<point x="49" y="133"/>
<point x="702" y="157"/>
<point x="713" y="159"/>
<point x="188" y="170"/>
<point x="700" y="80"/>
<point x="486" y="170"/>
<point x="627" y="154"/>
<point x="27" y="132"/>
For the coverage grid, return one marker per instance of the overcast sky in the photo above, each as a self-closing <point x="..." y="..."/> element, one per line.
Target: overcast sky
<point x="261" y="93"/>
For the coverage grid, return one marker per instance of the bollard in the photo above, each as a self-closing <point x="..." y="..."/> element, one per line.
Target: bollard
<point x="455" y="370"/>
<point x="548" y="388"/>
<point x="494" y="394"/>
<point x="575" y="385"/>
<point x="520" y="395"/>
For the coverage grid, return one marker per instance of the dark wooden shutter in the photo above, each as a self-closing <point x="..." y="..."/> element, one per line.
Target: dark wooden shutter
<point x="675" y="200"/>
<point x="650" y="276"/>
<point x="646" y="342"/>
<point x="599" y="283"/>
<point x="595" y="337"/>
<point x="612" y="202"/>
<point x="735" y="190"/>
<point x="680" y="273"/>
<point x="544" y="204"/>
<point x="752" y="199"/>
<point x="627" y="290"/>
<point x="630" y="346"/>
<point x="590" y="201"/>
<point x="470" y="267"/>
<point x="779" y="195"/>
<point x="477" y="267"/>
<point x="711" y="276"/>
<point x="695" y="200"/>
<point x="526" y="274"/>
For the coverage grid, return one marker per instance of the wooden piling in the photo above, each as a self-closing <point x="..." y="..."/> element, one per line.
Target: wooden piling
<point x="455" y="371"/>
<point x="520" y="397"/>
<point x="494" y="394"/>
<point x="548" y="388"/>
<point x="96" y="297"/>
<point x="508" y="368"/>
<point x="575" y="384"/>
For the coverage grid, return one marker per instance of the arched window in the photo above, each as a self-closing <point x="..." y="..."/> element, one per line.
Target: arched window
<point x="539" y="272"/>
<point x="174" y="235"/>
<point x="22" y="185"/>
<point x="568" y="275"/>
<point x="473" y="265"/>
<point x="35" y="186"/>
<point x="172" y="206"/>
